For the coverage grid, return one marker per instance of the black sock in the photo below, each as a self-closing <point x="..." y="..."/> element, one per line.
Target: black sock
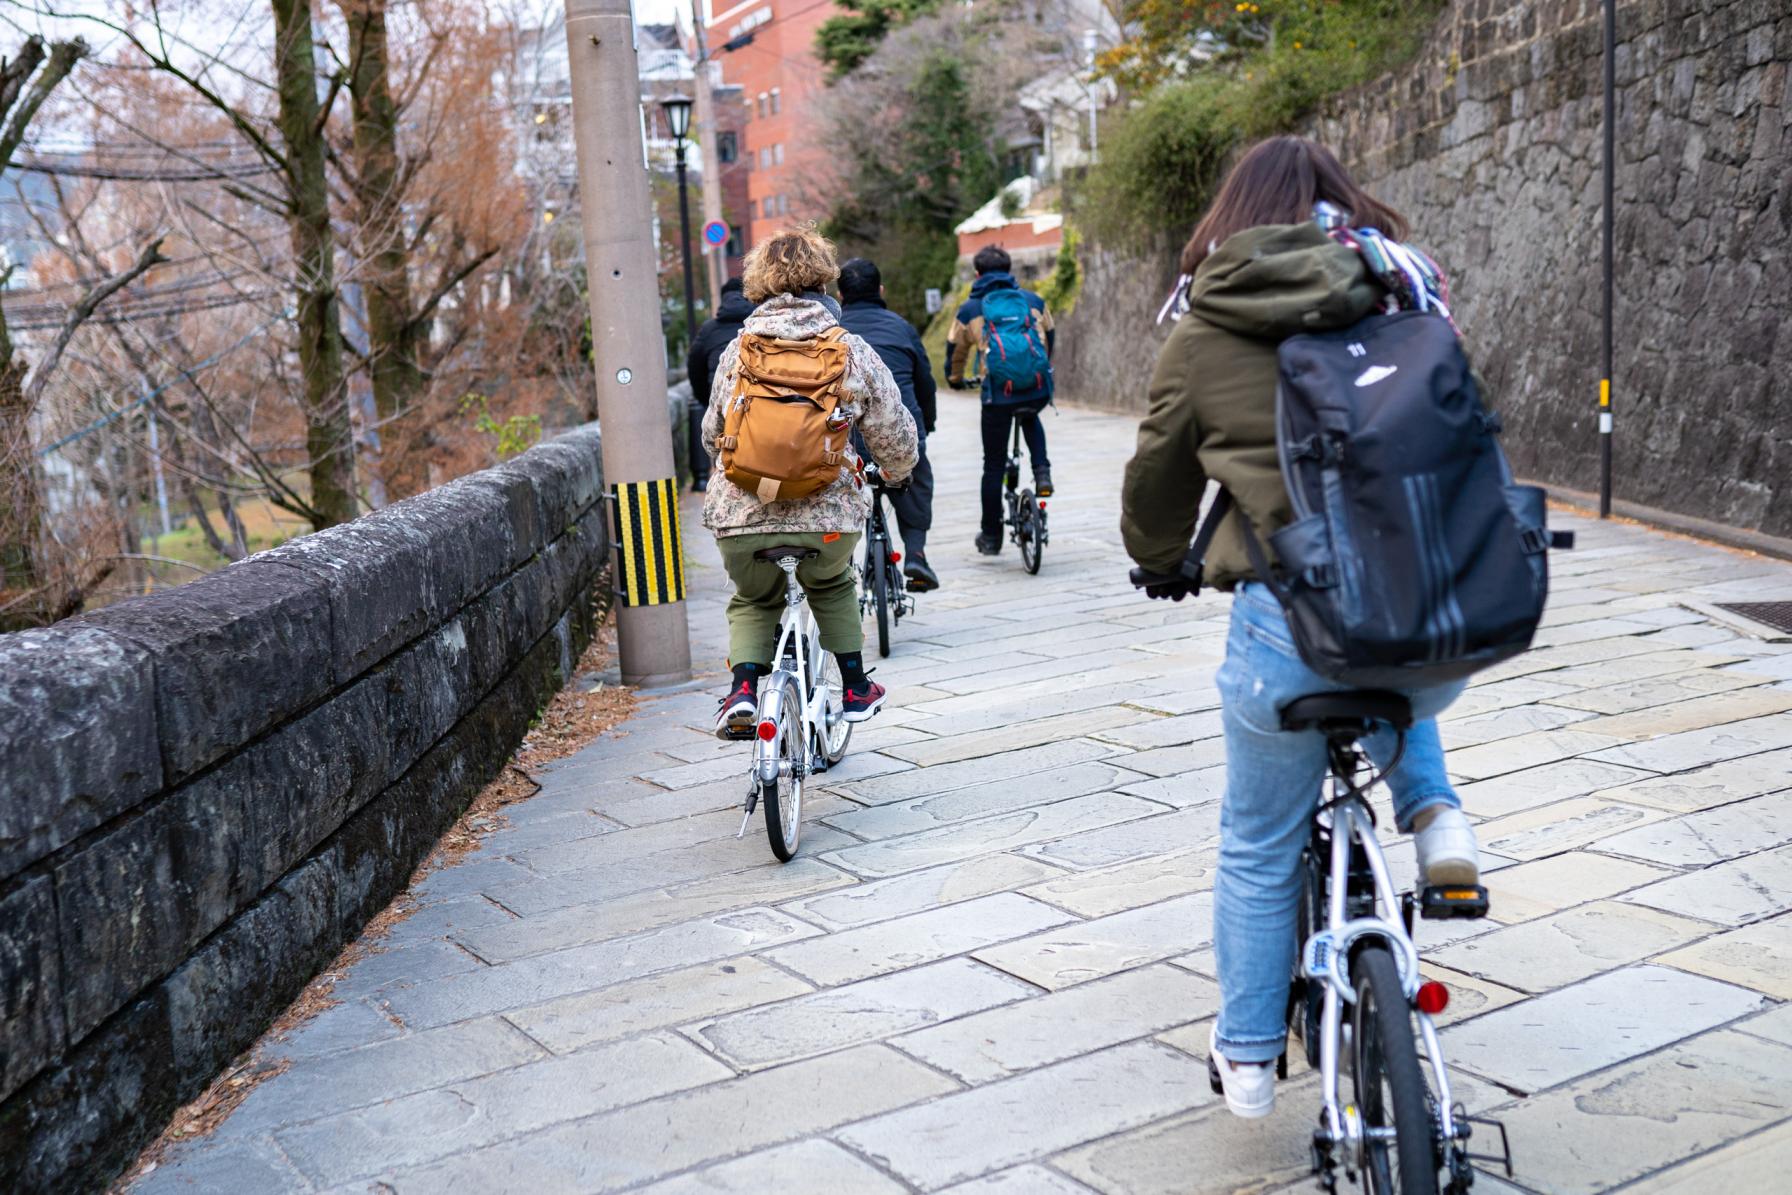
<point x="852" y="669"/>
<point x="748" y="674"/>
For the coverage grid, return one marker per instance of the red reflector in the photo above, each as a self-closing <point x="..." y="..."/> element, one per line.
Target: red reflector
<point x="1433" y="997"/>
<point x="768" y="731"/>
<point x="895" y="557"/>
<point x="1042" y="504"/>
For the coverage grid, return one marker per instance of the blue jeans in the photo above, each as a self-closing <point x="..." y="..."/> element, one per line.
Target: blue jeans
<point x="1273" y="782"/>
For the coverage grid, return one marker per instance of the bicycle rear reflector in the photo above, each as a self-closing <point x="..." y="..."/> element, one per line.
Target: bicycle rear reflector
<point x="1433" y="997"/>
<point x="768" y="731"/>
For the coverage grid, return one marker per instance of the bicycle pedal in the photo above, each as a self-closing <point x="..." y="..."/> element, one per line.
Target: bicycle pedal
<point x="1453" y="903"/>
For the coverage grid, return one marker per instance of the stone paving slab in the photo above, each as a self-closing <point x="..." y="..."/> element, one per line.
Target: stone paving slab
<point x="988" y="970"/>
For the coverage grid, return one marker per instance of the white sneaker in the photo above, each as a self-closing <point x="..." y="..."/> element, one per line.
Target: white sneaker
<point x="1250" y="1090"/>
<point x="1448" y="856"/>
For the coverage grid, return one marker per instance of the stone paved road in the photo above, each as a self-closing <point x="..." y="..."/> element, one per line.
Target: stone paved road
<point x="988" y="970"/>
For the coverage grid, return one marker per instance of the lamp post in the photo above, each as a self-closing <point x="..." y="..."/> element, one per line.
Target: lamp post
<point x="1610" y="188"/>
<point x="678" y="119"/>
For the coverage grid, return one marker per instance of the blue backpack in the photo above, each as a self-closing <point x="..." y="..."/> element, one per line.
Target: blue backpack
<point x="1016" y="368"/>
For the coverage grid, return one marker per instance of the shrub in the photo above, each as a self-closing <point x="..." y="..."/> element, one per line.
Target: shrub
<point x="1273" y="63"/>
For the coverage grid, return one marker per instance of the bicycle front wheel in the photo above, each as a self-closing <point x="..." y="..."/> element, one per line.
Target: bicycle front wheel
<point x="877" y="559"/>
<point x="1391" y="1093"/>
<point x="1026" y="532"/>
<point x="784" y="802"/>
<point x="835" y="731"/>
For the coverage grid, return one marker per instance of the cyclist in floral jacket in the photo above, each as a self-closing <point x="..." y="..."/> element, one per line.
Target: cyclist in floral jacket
<point x="785" y="276"/>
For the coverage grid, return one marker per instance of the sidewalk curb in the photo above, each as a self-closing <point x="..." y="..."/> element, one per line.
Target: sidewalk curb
<point x="1778" y="547"/>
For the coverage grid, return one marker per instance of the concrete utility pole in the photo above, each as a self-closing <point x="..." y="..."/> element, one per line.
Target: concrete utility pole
<point x="708" y="135"/>
<point x="621" y="263"/>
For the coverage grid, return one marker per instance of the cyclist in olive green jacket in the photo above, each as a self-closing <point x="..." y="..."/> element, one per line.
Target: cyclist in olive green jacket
<point x="1258" y="269"/>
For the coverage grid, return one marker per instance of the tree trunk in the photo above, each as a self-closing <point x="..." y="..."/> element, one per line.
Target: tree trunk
<point x="329" y="440"/>
<point x="21" y="504"/>
<point x="398" y="377"/>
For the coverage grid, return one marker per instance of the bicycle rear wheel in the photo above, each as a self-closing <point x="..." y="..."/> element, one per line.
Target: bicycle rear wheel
<point x="1026" y="532"/>
<point x="784" y="802"/>
<point x="1390" y="1088"/>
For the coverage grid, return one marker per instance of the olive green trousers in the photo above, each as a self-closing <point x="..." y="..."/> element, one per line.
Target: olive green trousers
<point x="758" y="601"/>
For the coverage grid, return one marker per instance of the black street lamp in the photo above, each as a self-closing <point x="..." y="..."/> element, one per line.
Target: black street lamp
<point x="678" y="119"/>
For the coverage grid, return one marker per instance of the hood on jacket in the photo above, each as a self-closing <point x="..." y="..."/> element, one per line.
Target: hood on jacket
<point x="791" y="317"/>
<point x="1278" y="280"/>
<point x="734" y="308"/>
<point x="994" y="280"/>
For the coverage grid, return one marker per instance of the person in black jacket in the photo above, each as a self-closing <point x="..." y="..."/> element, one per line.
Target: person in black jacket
<point x="706" y="353"/>
<point x="863" y="313"/>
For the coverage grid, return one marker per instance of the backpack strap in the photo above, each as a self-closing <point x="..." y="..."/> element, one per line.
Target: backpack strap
<point x="1253" y="548"/>
<point x="1194" y="564"/>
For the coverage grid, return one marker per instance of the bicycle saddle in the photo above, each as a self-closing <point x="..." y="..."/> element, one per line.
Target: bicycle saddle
<point x="783" y="550"/>
<point x="1348" y="712"/>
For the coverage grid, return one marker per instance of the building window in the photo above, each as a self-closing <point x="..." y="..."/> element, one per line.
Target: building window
<point x="774" y="98"/>
<point x="778" y="154"/>
<point x="750" y="22"/>
<point x="770" y="207"/>
<point x="765" y="157"/>
<point x="762" y="102"/>
<point x="783" y="205"/>
<point x="737" y="242"/>
<point x="727" y="147"/>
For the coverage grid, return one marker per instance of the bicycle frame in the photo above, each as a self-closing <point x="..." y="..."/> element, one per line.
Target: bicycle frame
<point x="800" y="639"/>
<point x="1326" y="958"/>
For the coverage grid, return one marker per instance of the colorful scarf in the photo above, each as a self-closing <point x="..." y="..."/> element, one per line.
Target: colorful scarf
<point x="1413" y="281"/>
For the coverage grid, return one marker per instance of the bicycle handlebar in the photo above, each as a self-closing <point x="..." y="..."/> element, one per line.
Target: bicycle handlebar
<point x="1190" y="573"/>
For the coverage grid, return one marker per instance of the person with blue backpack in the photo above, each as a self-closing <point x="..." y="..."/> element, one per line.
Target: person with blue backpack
<point x="1367" y="526"/>
<point x="1013" y="327"/>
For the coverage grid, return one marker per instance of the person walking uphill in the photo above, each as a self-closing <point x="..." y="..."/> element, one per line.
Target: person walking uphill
<point x="712" y="337"/>
<point x="864" y="313"/>
<point x="788" y="395"/>
<point x="1015" y="328"/>
<point x="1264" y="268"/>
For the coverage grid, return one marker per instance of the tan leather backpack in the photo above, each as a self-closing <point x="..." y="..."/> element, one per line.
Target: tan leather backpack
<point x="783" y="436"/>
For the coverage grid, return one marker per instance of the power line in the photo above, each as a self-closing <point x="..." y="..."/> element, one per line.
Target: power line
<point x="114" y="316"/>
<point x="129" y="174"/>
<point x="32" y="311"/>
<point x="114" y="416"/>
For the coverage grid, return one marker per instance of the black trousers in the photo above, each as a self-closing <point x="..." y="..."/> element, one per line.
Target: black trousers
<point x="694" y="426"/>
<point x="997" y="422"/>
<point x="913" y="506"/>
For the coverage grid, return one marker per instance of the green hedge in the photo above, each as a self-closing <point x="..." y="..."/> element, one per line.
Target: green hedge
<point x="1163" y="155"/>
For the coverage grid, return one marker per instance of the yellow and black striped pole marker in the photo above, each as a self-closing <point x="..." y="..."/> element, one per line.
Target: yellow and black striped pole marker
<point x="650" y="554"/>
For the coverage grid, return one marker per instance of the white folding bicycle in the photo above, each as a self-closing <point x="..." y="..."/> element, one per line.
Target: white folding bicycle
<point x="801" y="728"/>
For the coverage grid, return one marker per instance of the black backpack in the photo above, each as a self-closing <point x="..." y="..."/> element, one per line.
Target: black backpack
<point x="1413" y="558"/>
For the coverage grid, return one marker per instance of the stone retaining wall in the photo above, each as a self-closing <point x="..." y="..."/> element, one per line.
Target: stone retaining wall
<point x="208" y="791"/>
<point x="1490" y="141"/>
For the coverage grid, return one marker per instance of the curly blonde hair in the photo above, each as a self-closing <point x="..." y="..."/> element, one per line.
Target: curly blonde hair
<point x="796" y="260"/>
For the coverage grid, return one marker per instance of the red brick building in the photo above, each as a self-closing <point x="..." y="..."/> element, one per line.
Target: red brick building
<point x="766" y="49"/>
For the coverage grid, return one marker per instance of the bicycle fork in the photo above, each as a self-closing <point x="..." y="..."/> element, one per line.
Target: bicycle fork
<point x="1326" y="959"/>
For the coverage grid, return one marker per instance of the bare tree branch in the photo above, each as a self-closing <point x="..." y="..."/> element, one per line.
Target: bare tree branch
<point x="79" y="313"/>
<point x="427" y="311"/>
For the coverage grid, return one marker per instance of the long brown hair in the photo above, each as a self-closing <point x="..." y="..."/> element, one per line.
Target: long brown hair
<point x="1277" y="182"/>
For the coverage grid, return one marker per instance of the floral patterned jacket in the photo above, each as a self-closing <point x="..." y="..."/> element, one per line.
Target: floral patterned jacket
<point x="871" y="400"/>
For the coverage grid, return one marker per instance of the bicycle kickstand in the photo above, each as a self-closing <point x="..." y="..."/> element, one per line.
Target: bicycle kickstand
<point x="747" y="817"/>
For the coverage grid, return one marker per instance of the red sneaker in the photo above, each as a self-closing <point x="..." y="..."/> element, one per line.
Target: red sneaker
<point x="739" y="710"/>
<point x="862" y="703"/>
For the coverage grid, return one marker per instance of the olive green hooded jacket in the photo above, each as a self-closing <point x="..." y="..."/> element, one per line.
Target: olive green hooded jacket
<point x="1213" y="396"/>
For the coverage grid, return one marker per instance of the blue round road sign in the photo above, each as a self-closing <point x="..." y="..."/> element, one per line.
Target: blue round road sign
<point x="715" y="232"/>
